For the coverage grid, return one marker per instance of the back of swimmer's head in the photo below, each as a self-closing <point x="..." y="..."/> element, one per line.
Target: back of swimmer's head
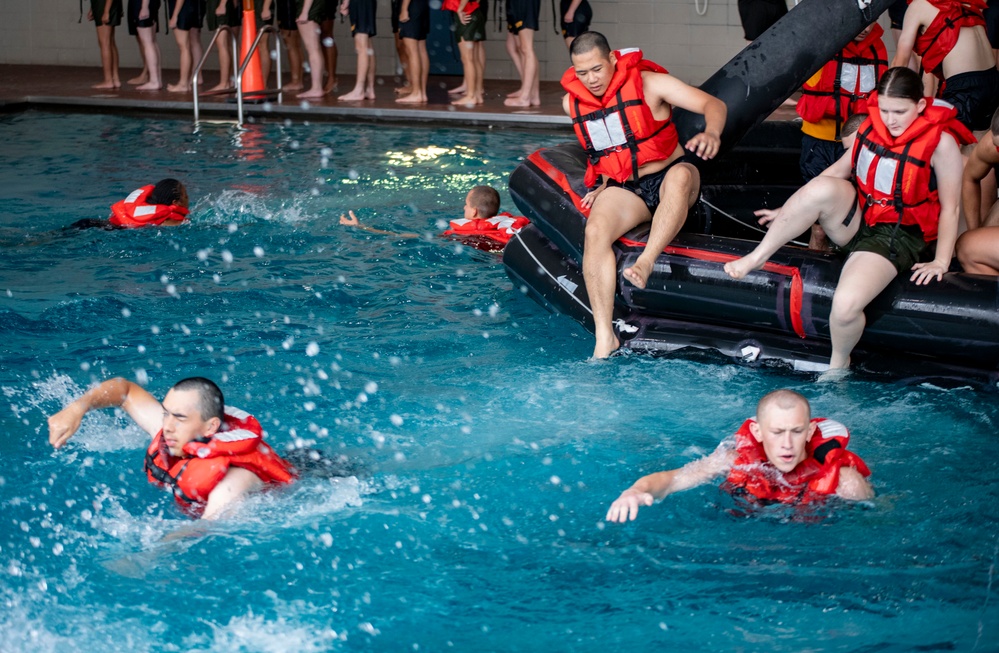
<point x="901" y="82"/>
<point x="211" y="403"/>
<point x="783" y="399"/>
<point x="485" y="199"/>
<point x="169" y="191"/>
<point x="588" y="41"/>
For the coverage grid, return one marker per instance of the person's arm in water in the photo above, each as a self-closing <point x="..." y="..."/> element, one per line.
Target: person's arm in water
<point x="141" y="406"/>
<point x="352" y="221"/>
<point x="666" y="89"/>
<point x="655" y="487"/>
<point x="947" y="166"/>
<point x="233" y="487"/>
<point x="853" y="486"/>
<point x="982" y="160"/>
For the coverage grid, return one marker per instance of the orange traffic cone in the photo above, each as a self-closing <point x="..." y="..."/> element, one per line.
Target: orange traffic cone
<point x="253" y="81"/>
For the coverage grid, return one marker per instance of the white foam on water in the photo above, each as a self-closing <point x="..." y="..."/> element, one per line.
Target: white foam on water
<point x="252" y="632"/>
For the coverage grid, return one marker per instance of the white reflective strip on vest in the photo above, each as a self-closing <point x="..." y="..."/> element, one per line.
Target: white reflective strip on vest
<point x="236" y="412"/>
<point x="625" y="51"/>
<point x="235" y="435"/>
<point x="848" y="78"/>
<point x="868" y="79"/>
<point x="864" y="161"/>
<point x="133" y="196"/>
<point x="502" y="223"/>
<point x="937" y="102"/>
<point x="607" y="133"/>
<point x="884" y="176"/>
<point x="141" y="211"/>
<point x="460" y="222"/>
<point x="833" y="429"/>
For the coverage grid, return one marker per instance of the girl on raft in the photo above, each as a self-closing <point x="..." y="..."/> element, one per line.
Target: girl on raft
<point x="878" y="204"/>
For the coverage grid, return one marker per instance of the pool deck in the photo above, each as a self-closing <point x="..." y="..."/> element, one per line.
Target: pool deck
<point x="69" y="88"/>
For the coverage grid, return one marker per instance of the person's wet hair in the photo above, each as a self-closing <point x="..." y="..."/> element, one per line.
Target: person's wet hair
<point x="166" y="191"/>
<point x="901" y="82"/>
<point x="852" y="124"/>
<point x="784" y="399"/>
<point x="210" y="399"/>
<point x="485" y="199"/>
<point x="588" y="41"/>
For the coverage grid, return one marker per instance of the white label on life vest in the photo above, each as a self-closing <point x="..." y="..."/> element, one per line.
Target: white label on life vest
<point x="848" y="77"/>
<point x="142" y="211"/>
<point x="133" y="196"/>
<point x="864" y="161"/>
<point x="884" y="176"/>
<point x="607" y="133"/>
<point x="868" y="79"/>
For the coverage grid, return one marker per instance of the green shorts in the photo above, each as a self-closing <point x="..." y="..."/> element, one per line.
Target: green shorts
<point x="475" y="30"/>
<point x="233" y="16"/>
<point x="114" y="14"/>
<point x="904" y="248"/>
<point x="317" y="12"/>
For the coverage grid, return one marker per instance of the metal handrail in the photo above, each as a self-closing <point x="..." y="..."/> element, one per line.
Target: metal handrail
<point x="238" y="67"/>
<point x="204" y="57"/>
<point x="246" y="61"/>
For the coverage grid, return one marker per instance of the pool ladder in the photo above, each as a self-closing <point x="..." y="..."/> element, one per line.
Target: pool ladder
<point x="238" y="67"/>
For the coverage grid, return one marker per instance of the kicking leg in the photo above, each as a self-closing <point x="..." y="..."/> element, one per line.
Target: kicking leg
<point x="864" y="276"/>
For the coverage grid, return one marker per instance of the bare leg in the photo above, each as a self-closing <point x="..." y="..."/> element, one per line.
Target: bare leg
<point x="830" y="201"/>
<point x="416" y="55"/>
<point x="197" y="50"/>
<point x="331" y="54"/>
<point x="365" y="70"/>
<point x="264" y="49"/>
<point x="614" y="212"/>
<point x="513" y="49"/>
<point x="183" y="84"/>
<point x="403" y="54"/>
<point x="109" y="66"/>
<point x="294" y="46"/>
<point x="472" y="82"/>
<point x="529" y="88"/>
<point x="142" y="77"/>
<point x="151" y="50"/>
<point x="225" y="64"/>
<point x="309" y="31"/>
<point x="677" y="194"/>
<point x="864" y="276"/>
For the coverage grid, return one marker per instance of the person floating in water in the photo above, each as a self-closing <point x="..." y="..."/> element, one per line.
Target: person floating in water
<point x="481" y="226"/>
<point x="644" y="170"/>
<point x="164" y="204"/>
<point x="780" y="455"/>
<point x="208" y="454"/>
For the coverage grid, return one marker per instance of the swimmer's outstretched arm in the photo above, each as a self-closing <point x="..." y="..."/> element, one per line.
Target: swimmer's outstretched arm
<point x="235" y="485"/>
<point x="133" y="399"/>
<point x="657" y="486"/>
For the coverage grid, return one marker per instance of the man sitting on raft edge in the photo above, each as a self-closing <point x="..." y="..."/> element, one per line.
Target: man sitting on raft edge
<point x="210" y="455"/>
<point x="780" y="455"/>
<point x="633" y="175"/>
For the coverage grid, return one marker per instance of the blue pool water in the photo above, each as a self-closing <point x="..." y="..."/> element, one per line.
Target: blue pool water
<point x="492" y="447"/>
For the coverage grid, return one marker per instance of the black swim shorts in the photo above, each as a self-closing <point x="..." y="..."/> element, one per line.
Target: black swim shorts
<point x="362" y="17"/>
<point x="317" y="10"/>
<point x="475" y="29"/>
<point x="284" y="11"/>
<point x="418" y="25"/>
<point x="758" y="15"/>
<point x="134" y="8"/>
<point x="976" y="96"/>
<point x="991" y="14"/>
<point x="395" y="6"/>
<point x="648" y="187"/>
<point x="580" y="20"/>
<point x="233" y="16"/>
<point x="896" y="13"/>
<point x="114" y="14"/>
<point x="817" y="155"/>
<point x="522" y="14"/>
<point x="191" y="16"/>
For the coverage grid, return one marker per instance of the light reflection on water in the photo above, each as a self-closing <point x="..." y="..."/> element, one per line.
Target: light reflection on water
<point x="491" y="448"/>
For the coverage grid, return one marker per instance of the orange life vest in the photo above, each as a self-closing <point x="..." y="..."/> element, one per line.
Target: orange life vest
<point x="495" y="232"/>
<point x="452" y="5"/>
<point x="941" y="35"/>
<point x="135" y="211"/>
<point x="617" y="130"/>
<point x="845" y="82"/>
<point x="815" y="477"/>
<point x="894" y="175"/>
<point x="193" y="476"/>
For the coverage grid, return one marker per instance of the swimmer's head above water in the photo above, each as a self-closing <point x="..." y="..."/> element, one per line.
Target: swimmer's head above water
<point x="169" y="192"/>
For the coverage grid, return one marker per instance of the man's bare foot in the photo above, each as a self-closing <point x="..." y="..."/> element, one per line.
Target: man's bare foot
<point x="638" y="274"/>
<point x="414" y="98"/>
<point x="354" y="96"/>
<point x="221" y="86"/>
<point x="458" y="90"/>
<point x="515" y="94"/>
<point x="330" y="85"/>
<point x="178" y="88"/>
<point x="521" y="102"/>
<point x="139" y="79"/>
<point x="104" y="86"/>
<point x="466" y="101"/>
<point x="604" y="347"/>
<point x="292" y="86"/>
<point x="740" y="267"/>
<point x="150" y="86"/>
<point x="311" y="94"/>
<point x="833" y="375"/>
<point x="404" y="90"/>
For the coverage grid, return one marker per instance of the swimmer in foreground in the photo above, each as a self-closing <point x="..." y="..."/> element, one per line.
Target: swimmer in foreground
<point x="164" y="204"/>
<point x="781" y="455"/>
<point x="208" y="454"/>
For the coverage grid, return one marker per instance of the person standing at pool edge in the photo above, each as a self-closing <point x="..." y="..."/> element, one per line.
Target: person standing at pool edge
<point x="780" y="455"/>
<point x="210" y="455"/>
<point x="645" y="175"/>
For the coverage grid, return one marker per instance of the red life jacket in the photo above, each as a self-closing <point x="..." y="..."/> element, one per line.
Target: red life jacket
<point x="496" y="231"/>
<point x="894" y="175"/>
<point x="452" y="5"/>
<point x="617" y="129"/>
<point x="239" y="443"/>
<point x="941" y="35"/>
<point x="846" y="81"/>
<point x="815" y="477"/>
<point x="135" y="211"/>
